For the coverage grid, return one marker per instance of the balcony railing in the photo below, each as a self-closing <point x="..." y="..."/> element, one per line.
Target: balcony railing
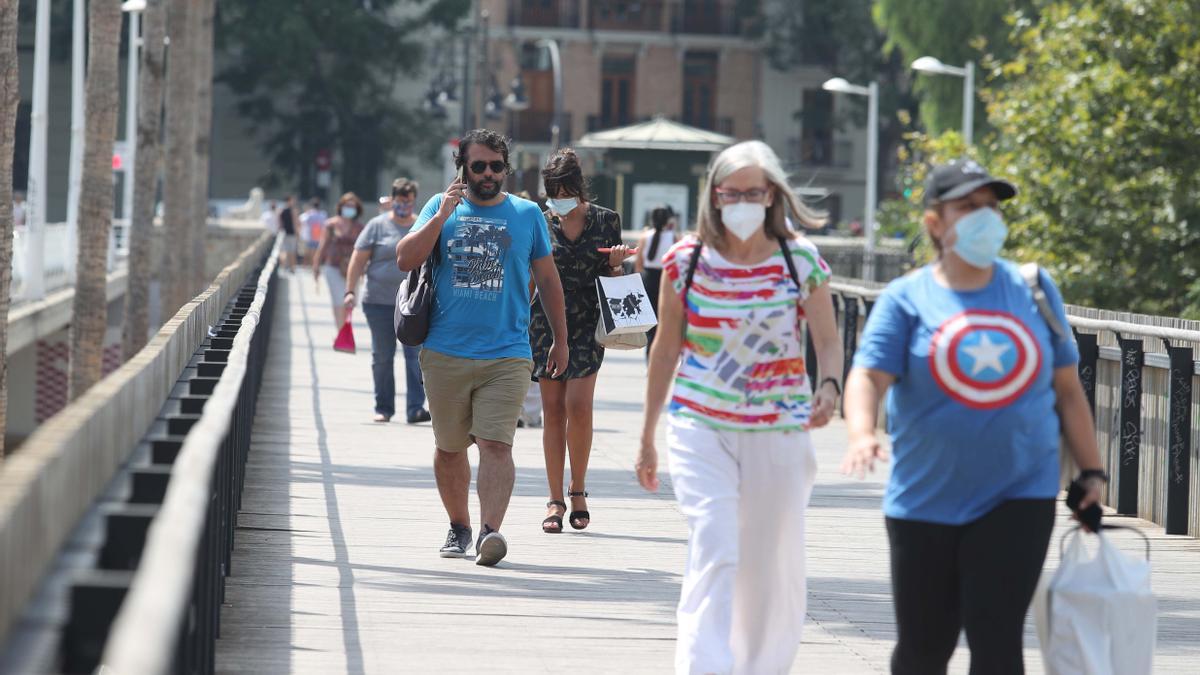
<point x="533" y="126"/>
<point x="544" y="13"/>
<point x="706" y="18"/>
<point x="626" y="15"/>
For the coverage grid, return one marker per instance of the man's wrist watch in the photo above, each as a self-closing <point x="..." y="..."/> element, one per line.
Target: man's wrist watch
<point x="1092" y="473"/>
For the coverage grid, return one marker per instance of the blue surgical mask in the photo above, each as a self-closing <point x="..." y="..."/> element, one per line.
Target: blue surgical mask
<point x="562" y="206"/>
<point x="349" y="212"/>
<point x="980" y="236"/>
<point x="402" y="209"/>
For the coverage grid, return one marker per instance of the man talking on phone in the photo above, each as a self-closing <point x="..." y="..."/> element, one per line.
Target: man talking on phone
<point x="476" y="361"/>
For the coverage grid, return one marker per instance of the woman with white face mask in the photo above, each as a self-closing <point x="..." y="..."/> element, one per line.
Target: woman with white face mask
<point x="729" y="351"/>
<point x="579" y="229"/>
<point x="976" y="377"/>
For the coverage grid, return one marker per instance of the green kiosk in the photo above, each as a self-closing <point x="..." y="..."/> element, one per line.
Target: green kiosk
<point x="639" y="167"/>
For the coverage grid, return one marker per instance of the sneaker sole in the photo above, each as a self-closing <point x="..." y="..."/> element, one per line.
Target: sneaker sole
<point x="491" y="551"/>
<point x="453" y="554"/>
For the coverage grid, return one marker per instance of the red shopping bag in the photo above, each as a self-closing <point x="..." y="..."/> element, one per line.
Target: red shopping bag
<point x="344" y="342"/>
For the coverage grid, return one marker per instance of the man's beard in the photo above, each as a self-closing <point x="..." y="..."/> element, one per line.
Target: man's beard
<point x="484" y="188"/>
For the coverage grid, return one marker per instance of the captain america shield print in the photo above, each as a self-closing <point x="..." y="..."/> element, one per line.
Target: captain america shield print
<point x="984" y="359"/>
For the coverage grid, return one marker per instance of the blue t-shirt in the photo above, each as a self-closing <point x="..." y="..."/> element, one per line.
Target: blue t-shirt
<point x="971" y="414"/>
<point x="481" y="280"/>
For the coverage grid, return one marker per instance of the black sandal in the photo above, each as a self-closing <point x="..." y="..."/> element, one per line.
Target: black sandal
<point x="579" y="515"/>
<point x="554" y="520"/>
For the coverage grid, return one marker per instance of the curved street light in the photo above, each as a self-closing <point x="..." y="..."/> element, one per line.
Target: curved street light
<point x="934" y="66"/>
<point x="841" y="86"/>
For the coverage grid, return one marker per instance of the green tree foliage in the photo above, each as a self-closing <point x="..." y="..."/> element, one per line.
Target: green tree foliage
<point x="1097" y="121"/>
<point x="312" y="74"/>
<point x="954" y="32"/>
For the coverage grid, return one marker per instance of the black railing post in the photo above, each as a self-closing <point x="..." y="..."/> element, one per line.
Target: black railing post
<point x="1089" y="357"/>
<point x="1179" y="438"/>
<point x="849" y="333"/>
<point x="1130" y="436"/>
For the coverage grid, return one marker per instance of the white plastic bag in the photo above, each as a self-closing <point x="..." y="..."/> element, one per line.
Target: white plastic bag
<point x="1096" y="615"/>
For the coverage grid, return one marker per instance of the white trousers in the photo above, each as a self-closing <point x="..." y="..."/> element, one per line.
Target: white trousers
<point x="742" y="606"/>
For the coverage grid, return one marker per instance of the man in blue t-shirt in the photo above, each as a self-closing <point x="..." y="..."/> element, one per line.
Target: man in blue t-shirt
<point x="476" y="360"/>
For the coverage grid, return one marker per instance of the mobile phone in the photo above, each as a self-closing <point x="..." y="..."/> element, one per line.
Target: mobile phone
<point x="459" y="178"/>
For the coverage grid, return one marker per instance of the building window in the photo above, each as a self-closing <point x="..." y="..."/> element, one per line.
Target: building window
<point x="700" y="90"/>
<point x="816" y="130"/>
<point x="616" y="91"/>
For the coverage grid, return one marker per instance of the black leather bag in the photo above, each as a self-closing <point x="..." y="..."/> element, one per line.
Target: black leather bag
<point x="414" y="304"/>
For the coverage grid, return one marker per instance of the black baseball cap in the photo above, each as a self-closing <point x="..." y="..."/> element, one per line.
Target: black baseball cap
<point x="960" y="178"/>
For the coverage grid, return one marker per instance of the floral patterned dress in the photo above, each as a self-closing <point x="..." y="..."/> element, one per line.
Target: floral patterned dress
<point x="579" y="264"/>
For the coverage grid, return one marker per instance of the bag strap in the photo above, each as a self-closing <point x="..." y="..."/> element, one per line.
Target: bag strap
<point x="1032" y="275"/>
<point x="791" y="264"/>
<point x="691" y="268"/>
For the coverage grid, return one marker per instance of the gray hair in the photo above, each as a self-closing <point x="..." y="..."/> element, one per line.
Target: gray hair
<point x="756" y="154"/>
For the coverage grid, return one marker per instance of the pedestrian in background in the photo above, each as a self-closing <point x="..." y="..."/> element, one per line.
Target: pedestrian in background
<point x="375" y="251"/>
<point x="657" y="238"/>
<point x="270" y="217"/>
<point x="337" y="245"/>
<point x="578" y="229"/>
<point x="311" y="223"/>
<point x="741" y="459"/>
<point x="476" y="359"/>
<point x="288" y="221"/>
<point x="980" y="389"/>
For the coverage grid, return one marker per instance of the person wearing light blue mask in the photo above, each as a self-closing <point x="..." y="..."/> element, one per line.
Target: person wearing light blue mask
<point x="374" y="259"/>
<point x="332" y="259"/>
<point x="980" y="391"/>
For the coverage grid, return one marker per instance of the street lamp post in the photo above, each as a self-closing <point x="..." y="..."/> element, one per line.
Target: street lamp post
<point x="35" y="190"/>
<point x="929" y="64"/>
<point x="75" y="170"/>
<point x="556" y="66"/>
<point x="135" y="9"/>
<point x="871" y="91"/>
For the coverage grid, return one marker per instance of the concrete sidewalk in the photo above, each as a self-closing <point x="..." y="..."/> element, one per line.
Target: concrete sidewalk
<point x="336" y="566"/>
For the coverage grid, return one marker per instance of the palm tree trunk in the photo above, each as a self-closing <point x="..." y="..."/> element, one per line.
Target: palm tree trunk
<point x="150" y="102"/>
<point x="204" y="81"/>
<point x="9" y="99"/>
<point x="90" y="317"/>
<point x="177" y="191"/>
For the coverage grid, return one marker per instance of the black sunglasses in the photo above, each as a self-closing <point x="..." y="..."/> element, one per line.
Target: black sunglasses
<point x="495" y="165"/>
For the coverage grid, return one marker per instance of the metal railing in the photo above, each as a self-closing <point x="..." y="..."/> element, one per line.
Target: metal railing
<point x="44" y="262"/>
<point x="1140" y="374"/>
<point x="169" y="621"/>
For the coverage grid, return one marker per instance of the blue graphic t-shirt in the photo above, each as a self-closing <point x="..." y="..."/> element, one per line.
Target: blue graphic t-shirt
<point x="481" y="281"/>
<point x="971" y="415"/>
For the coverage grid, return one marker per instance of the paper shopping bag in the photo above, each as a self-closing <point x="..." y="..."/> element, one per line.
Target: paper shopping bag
<point x="344" y="342"/>
<point x="624" y="305"/>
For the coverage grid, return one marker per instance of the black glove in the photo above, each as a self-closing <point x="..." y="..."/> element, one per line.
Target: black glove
<point x="1090" y="517"/>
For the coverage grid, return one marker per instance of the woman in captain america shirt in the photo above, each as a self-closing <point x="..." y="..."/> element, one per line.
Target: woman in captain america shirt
<point x="975" y="376"/>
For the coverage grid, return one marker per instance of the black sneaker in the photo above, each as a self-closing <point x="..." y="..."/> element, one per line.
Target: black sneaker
<point x="491" y="548"/>
<point x="421" y="415"/>
<point x="458" y="542"/>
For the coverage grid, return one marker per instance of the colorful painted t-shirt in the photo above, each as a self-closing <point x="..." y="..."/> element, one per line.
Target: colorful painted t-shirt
<point x="481" y="280"/>
<point x="742" y="367"/>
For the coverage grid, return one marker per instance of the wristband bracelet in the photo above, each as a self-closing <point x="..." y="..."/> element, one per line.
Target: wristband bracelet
<point x="347" y="293"/>
<point x="1093" y="473"/>
<point x="836" y="386"/>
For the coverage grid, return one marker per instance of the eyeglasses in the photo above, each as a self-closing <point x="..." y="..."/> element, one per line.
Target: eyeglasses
<point x="495" y="165"/>
<point x="754" y="195"/>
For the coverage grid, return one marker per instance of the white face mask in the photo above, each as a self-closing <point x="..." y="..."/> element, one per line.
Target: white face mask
<point x="563" y="206"/>
<point x="743" y="219"/>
